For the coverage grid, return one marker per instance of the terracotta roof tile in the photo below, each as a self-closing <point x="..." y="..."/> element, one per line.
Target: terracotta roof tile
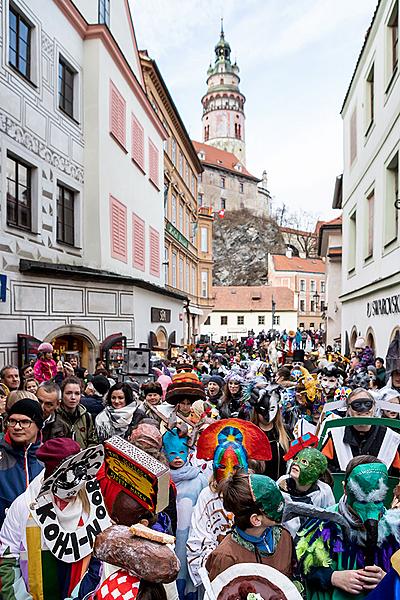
<point x="222" y="159"/>
<point x="256" y="298"/>
<point x="302" y="265"/>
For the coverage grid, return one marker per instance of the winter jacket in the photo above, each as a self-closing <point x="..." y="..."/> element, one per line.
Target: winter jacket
<point x="44" y="369"/>
<point x="77" y="425"/>
<point x="18" y="466"/>
<point x="93" y="404"/>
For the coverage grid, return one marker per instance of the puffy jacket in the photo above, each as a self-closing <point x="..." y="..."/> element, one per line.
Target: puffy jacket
<point x="44" y="369"/>
<point x="77" y="425"/>
<point x="18" y="466"/>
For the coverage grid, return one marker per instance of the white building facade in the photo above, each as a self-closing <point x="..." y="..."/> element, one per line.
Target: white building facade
<point x="82" y="221"/>
<point x="370" y="293"/>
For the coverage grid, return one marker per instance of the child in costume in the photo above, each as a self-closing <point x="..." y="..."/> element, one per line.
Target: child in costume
<point x="257" y="536"/>
<point x="189" y="478"/>
<point x="48" y="535"/>
<point x="45" y="367"/>
<point x="229" y="443"/>
<point x="182" y="392"/>
<point x="345" y="551"/>
<point x="303" y="486"/>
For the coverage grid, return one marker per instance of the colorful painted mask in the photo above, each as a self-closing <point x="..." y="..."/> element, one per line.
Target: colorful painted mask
<point x="342" y="393"/>
<point x="230" y="453"/>
<point x="175" y="446"/>
<point x="311" y="463"/>
<point x="295" y="374"/>
<point x="329" y="384"/>
<point x="366" y="490"/>
<point x="268" y="496"/>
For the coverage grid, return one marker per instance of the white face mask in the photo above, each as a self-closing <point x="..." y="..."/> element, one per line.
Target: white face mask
<point x="273" y="408"/>
<point x="329" y="384"/>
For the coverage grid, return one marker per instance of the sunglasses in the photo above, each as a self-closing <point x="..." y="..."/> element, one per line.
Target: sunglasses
<point x="362" y="405"/>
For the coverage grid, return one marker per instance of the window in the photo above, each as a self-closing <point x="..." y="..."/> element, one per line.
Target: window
<point x="393" y="40"/>
<point x="174" y="269"/>
<point x="322" y="287"/>
<point x="192" y="183"/>
<point x="194" y="279"/>
<point x="222" y="182"/>
<point x="200" y="177"/>
<point x="138" y="241"/>
<point x="204" y="239"/>
<point x="187" y="223"/>
<point x="65" y="88"/>
<point x="392" y="194"/>
<point x="312" y="285"/>
<point x="181" y="164"/>
<point x="369" y="238"/>
<point x="277" y="320"/>
<point x="240" y="320"/>
<point x="173" y="151"/>
<point x="138" y="144"/>
<point x="65" y="215"/>
<point x="224" y="320"/>
<point x="180" y="273"/>
<point x="19" y="45"/>
<point x="117" y="115"/>
<point x="261" y="320"/>
<point x="223" y="203"/>
<point x="311" y="324"/>
<point x="302" y="305"/>
<point x="166" y="270"/>
<point x="302" y="285"/>
<point x="118" y="230"/>
<point x="241" y="188"/>
<point x="200" y="199"/>
<point x="207" y="321"/>
<point x="153" y="163"/>
<point x="173" y="210"/>
<point x="204" y="284"/>
<point x="187" y="277"/>
<point x="19" y="182"/>
<point x="353" y="136"/>
<point x="154" y="252"/>
<point x="166" y="188"/>
<point x="351" y="264"/>
<point x="104" y="12"/>
<point x="312" y="306"/>
<point x="369" y="106"/>
<point x="301" y="325"/>
<point x="180" y="226"/>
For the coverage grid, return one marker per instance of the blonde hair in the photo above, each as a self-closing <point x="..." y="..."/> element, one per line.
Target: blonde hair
<point x="16" y="395"/>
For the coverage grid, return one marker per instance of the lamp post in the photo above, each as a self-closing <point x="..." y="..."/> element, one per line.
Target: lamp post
<point x="273" y="305"/>
<point x="316" y="298"/>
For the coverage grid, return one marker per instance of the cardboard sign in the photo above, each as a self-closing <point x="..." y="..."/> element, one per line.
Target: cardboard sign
<point x="142" y="476"/>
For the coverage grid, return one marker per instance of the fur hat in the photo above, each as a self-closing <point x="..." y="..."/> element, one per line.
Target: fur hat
<point x="184" y="385"/>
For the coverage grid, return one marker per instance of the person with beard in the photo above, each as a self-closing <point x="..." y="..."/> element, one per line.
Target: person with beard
<point x="267" y="416"/>
<point x="345" y="551"/>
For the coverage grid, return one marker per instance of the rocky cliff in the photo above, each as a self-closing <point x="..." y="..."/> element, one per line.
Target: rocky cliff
<point x="241" y="243"/>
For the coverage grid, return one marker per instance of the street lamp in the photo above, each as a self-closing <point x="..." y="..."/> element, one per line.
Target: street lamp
<point x="316" y="298"/>
<point x="273" y="305"/>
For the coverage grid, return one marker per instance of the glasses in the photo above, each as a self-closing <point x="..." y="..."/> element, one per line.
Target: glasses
<point x="23" y="423"/>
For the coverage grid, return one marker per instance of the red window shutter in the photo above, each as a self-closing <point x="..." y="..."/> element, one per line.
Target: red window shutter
<point x="138" y="227"/>
<point x="117" y="115"/>
<point x="118" y="230"/>
<point x="137" y="142"/>
<point x="154" y="252"/>
<point x="153" y="163"/>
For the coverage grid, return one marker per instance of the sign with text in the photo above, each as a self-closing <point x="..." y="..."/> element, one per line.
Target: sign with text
<point x="384" y="306"/>
<point x="176" y="235"/>
<point x="160" y="315"/>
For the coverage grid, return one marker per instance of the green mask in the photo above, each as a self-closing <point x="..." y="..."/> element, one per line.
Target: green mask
<point x="311" y="464"/>
<point x="366" y="490"/>
<point x="267" y="494"/>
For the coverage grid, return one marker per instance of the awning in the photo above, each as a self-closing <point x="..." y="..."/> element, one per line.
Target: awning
<point x="195" y="310"/>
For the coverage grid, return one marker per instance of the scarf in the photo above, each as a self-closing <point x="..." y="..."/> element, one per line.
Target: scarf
<point x="187" y="471"/>
<point x="114" y="421"/>
<point x="263" y="545"/>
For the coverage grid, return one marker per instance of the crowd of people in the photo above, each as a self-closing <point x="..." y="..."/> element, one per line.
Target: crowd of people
<point x="276" y="451"/>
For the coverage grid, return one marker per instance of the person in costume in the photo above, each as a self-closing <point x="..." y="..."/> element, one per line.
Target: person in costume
<point x="120" y="414"/>
<point x="267" y="416"/>
<point x="232" y="397"/>
<point x="189" y="478"/>
<point x="343" y="443"/>
<point x="304" y="484"/>
<point x="45" y="367"/>
<point x="47" y="538"/>
<point x="229" y="443"/>
<point x="330" y="377"/>
<point x="257" y="536"/>
<point x="311" y="401"/>
<point x="184" y="389"/>
<point x="346" y="550"/>
<point x="215" y="389"/>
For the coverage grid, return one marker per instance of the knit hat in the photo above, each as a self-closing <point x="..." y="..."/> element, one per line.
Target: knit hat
<point x="45" y="347"/>
<point x="100" y="384"/>
<point x="372" y="369"/>
<point x="184" y="385"/>
<point x="218" y="380"/>
<point x="29" y="408"/>
<point x="54" y="452"/>
<point x="146" y="437"/>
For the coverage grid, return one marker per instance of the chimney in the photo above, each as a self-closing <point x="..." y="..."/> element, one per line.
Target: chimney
<point x="289" y="252"/>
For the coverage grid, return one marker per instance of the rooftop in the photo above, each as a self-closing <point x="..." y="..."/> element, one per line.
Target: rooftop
<point x="300" y="265"/>
<point x="222" y="160"/>
<point x="252" y="298"/>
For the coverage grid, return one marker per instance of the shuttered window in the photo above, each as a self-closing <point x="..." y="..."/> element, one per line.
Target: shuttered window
<point x="137" y="143"/>
<point x="154" y="252"/>
<point x="117" y="115"/>
<point x="139" y="252"/>
<point x="118" y="230"/>
<point x="153" y="163"/>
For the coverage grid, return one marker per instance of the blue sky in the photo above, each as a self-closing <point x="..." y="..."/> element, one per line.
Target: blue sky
<point x="296" y="59"/>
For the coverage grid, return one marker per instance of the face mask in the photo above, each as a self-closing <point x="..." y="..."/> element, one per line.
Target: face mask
<point x="175" y="446"/>
<point x="328" y="384"/>
<point x="366" y="490"/>
<point x="311" y="464"/>
<point x="268" y="495"/>
<point x="295" y="374"/>
<point x="228" y="460"/>
<point x="342" y="393"/>
<point x="362" y="405"/>
<point x="267" y="405"/>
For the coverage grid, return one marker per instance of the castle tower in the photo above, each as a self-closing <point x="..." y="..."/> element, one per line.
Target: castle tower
<point x="223" y="104"/>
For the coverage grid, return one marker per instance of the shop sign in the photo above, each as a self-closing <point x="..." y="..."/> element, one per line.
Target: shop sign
<point x="384" y="306"/>
<point x="160" y="315"/>
<point x="177" y="235"/>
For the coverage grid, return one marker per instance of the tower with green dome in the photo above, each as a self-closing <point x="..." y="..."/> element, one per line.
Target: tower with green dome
<point x="223" y="104"/>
